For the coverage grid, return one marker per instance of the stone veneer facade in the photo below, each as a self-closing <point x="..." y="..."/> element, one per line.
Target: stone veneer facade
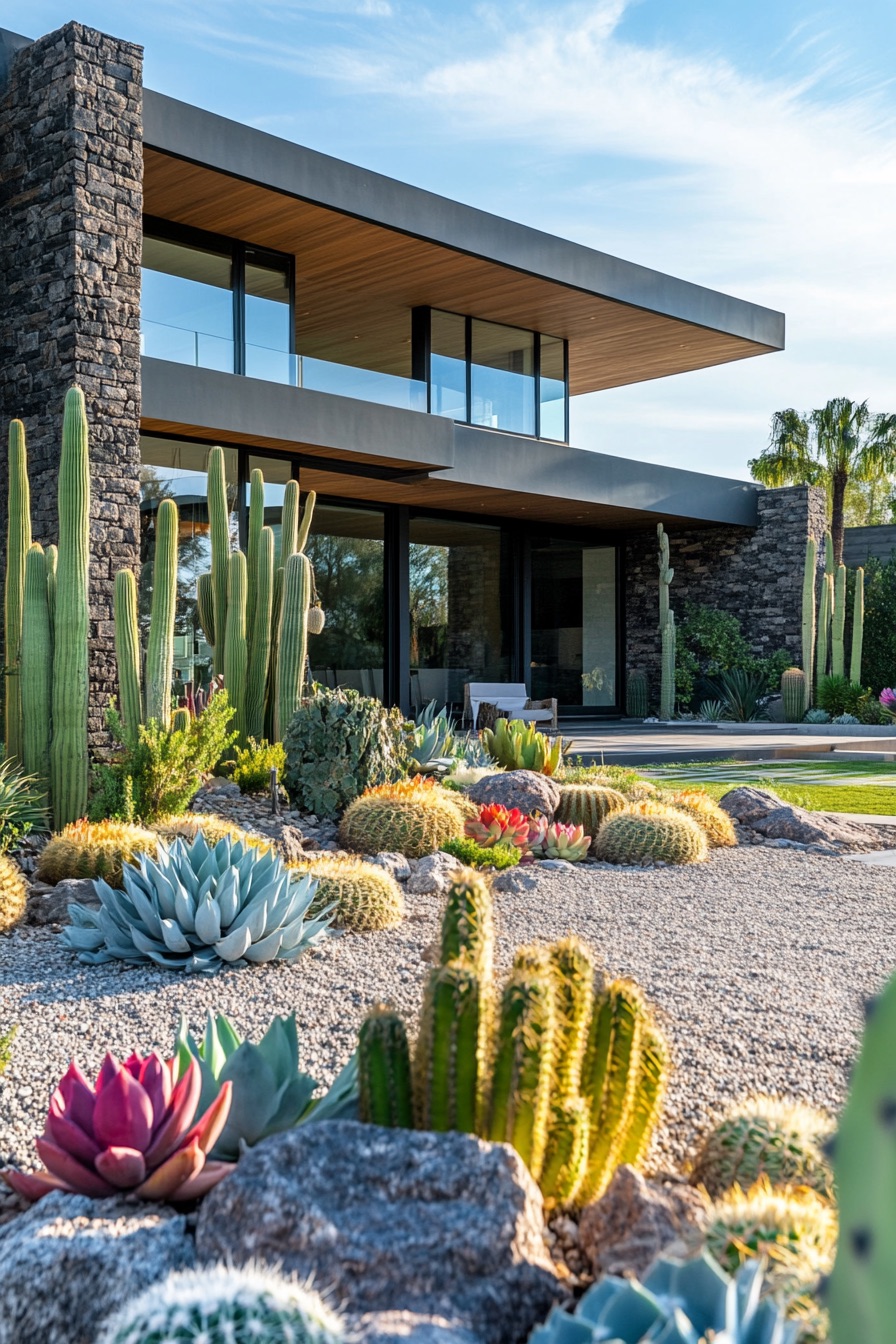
<point x="755" y="575"/>
<point x="71" y="204"/>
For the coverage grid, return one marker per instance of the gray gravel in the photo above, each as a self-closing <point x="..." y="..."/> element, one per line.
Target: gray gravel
<point x="759" y="960"/>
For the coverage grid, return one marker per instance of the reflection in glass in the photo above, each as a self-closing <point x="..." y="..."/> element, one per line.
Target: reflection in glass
<point x="448" y="366"/>
<point x="173" y="469"/>
<point x="503" y="378"/>
<point x="276" y="471"/>
<point x="187" y="305"/>
<point x="461" y="608"/>
<point x="268" y="318"/>
<point x="346" y="549"/>
<point x="574" y="623"/>
<point x="552" y="389"/>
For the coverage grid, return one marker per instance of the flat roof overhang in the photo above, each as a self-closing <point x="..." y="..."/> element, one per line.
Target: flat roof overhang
<point x="368" y="249"/>
<point x="359" y="450"/>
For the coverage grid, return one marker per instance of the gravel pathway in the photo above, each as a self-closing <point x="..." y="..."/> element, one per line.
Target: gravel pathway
<point x="759" y="960"/>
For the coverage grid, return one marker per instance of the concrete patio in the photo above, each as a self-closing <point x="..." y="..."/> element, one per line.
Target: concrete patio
<point x="620" y="743"/>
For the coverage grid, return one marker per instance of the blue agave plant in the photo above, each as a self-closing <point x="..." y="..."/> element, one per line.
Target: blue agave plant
<point x="678" y="1302"/>
<point x="430" y="741"/>
<point x="198" y="907"/>
<point x="270" y="1093"/>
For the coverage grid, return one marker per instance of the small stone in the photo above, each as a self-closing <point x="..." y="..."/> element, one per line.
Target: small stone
<point x="637" y="1219"/>
<point x="396" y="864"/>
<point x="556" y="865"/>
<point x="434" y="873"/>
<point x="514" y="882"/>
<point x="223" y="788"/>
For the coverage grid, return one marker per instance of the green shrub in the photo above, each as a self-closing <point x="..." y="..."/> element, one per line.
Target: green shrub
<point x="6" y="1040"/>
<point x="159" y="774"/>
<point x="477" y="856"/>
<point x="879" y="642"/>
<point x="338" y="744"/>
<point x="23" y="805"/>
<point x="711" y="643"/>
<point x="254" y="764"/>
<point x="839" y="695"/>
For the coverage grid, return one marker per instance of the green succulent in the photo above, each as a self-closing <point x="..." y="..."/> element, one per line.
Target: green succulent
<point x="270" y="1092"/>
<point x="339" y="743"/>
<point x="197" y="908"/>
<point x="480" y="856"/>
<point x="678" y="1302"/>
<point x="430" y="740"/>
<point x="516" y="745"/>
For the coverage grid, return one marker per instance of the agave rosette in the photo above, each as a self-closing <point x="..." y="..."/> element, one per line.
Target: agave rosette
<point x="197" y="907"/>
<point x="498" y="825"/>
<point x="135" y="1130"/>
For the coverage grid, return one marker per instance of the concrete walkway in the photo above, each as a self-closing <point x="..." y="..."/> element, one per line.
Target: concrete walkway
<point x="640" y="744"/>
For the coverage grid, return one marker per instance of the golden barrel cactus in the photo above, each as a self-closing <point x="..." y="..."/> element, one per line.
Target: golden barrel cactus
<point x="366" y="896"/>
<point x="412" y="818"/>
<point x="647" y="832"/>
<point x="94" y="849"/>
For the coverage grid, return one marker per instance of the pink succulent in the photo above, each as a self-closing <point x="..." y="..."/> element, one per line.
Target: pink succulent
<point x="498" y="826"/>
<point x="136" y="1130"/>
<point x="888" y="699"/>
<point x="560" y="841"/>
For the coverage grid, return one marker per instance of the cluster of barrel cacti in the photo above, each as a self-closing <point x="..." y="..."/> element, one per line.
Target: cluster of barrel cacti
<point x="588" y="806"/>
<point x="256" y="609"/>
<point x="47" y="612"/>
<point x="562" y="1064"/>
<point x="824" y="630"/>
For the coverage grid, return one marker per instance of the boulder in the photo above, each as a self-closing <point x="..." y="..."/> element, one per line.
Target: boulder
<point x="636" y="1219"/>
<point x="396" y="864"/>
<point x="291" y="844"/>
<point x="392" y="1220"/>
<point x="434" y="873"/>
<point x="764" y="812"/>
<point x="525" y="789"/>
<point x="70" y="1261"/>
<point x="407" y="1327"/>
<point x="49" y="905"/>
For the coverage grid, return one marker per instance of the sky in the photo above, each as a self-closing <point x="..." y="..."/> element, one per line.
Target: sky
<point x="745" y="145"/>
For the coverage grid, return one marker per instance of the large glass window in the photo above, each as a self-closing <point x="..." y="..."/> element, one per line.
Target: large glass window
<point x="574" y="623"/>
<point x="502" y="378"/>
<point x="448" y="366"/>
<point x="346" y="549"/>
<point x="461" y="608"/>
<point x="187" y="304"/>
<point x="552" y="388"/>
<point x="268" y="317"/>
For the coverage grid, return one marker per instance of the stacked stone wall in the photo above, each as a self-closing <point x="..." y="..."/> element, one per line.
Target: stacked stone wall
<point x="755" y="574"/>
<point x="71" y="202"/>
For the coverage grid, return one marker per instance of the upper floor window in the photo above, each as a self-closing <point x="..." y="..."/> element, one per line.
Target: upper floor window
<point x="487" y="373"/>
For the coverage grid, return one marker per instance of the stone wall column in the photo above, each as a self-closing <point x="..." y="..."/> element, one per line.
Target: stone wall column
<point x="71" y="202"/>
<point x="755" y="574"/>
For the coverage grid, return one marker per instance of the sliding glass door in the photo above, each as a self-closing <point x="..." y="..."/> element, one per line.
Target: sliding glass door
<point x="574" y="624"/>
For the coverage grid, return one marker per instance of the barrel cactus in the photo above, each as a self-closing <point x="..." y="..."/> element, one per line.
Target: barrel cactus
<point x="588" y="806"/>
<point x="199" y="908"/>
<point x="766" y="1136"/>
<point x="789" y="1225"/>
<point x="209" y="824"/>
<point x="794" y="694"/>
<point x="407" y="818"/>
<point x="363" y="896"/>
<point x="636" y="695"/>
<point x="648" y="832"/>
<point x="13" y="894"/>
<point x="224" y="1305"/>
<point x="94" y="849"/>
<point x="714" y="821"/>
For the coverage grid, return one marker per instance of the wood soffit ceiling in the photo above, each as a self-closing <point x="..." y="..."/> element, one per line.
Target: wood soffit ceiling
<point x="356" y="283"/>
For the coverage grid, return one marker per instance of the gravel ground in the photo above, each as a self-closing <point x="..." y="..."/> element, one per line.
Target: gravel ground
<point x="759" y="961"/>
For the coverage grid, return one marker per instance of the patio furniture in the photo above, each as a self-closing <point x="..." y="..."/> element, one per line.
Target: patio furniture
<point x="510" y="700"/>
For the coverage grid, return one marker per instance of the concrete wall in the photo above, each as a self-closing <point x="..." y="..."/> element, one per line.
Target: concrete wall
<point x="756" y="574"/>
<point x="71" y="203"/>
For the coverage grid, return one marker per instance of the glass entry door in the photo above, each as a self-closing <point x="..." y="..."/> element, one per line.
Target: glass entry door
<point x="574" y="616"/>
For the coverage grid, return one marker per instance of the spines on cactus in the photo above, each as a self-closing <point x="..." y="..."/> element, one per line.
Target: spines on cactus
<point x="36" y="665"/>
<point x="468" y="923"/>
<point x="822" y="637"/>
<point x="289" y="525"/>
<point x="384" y="1071"/>
<point x="261" y="600"/>
<point x="793" y="694"/>
<point x="205" y="607"/>
<point x="235" y="650"/>
<point x="587" y="805"/>
<point x="647" y="1096"/>
<point x="566" y="1150"/>
<point x="68" y="751"/>
<point x="52" y="554"/>
<point x="573" y="971"/>
<point x="448" y="1060"/>
<point x="810" y="579"/>
<point x="858" y="628"/>
<point x="13" y="894"/>
<point x="776" y="1137"/>
<point x="667" y="670"/>
<point x="127" y="651"/>
<point x="18" y="541"/>
<point x="522" y="1077"/>
<point x="305" y="525"/>
<point x="636" y="695"/>
<point x="293" y="639"/>
<point x="160" y="646"/>
<point x="219" y="533"/>
<point x="610" y="1076"/>
<point x="838" y="623"/>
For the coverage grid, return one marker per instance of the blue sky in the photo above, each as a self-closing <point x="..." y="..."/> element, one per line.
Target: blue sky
<point x="747" y="146"/>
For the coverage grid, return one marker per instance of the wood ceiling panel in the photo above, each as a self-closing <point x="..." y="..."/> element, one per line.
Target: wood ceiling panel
<point x="357" y="282"/>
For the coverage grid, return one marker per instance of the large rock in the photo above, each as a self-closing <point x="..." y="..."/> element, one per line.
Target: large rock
<point x="392" y="1220"/>
<point x="764" y="812"/>
<point x="636" y="1220"/>
<point x="525" y="789"/>
<point x="69" y="1262"/>
<point x="49" y="905"/>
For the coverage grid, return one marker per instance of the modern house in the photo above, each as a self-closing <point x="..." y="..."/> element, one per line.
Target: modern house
<point x="408" y="358"/>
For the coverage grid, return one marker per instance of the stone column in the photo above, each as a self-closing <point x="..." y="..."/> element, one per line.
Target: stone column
<point x="71" y="202"/>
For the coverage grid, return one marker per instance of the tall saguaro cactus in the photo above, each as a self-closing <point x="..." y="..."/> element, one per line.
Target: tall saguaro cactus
<point x="823" y="632"/>
<point x="235" y="649"/>
<point x="18" y="540"/>
<point x="160" y="645"/>
<point x="293" y="639"/>
<point x="68" y="753"/>
<point x="127" y="651"/>
<point x="838" y="623"/>
<point x="858" y="627"/>
<point x="666" y="575"/>
<point x="36" y="663"/>
<point x="261" y="601"/>
<point x="810" y="579"/>
<point x="667" y="675"/>
<point x="219" y="533"/>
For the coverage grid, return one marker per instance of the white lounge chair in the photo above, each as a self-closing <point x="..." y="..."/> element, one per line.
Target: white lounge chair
<point x="510" y="698"/>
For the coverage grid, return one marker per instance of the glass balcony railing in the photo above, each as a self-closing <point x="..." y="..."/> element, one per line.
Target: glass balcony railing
<point x="205" y="351"/>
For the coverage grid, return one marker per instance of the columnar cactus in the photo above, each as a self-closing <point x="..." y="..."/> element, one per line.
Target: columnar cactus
<point x="219" y="532"/>
<point x="68" y="753"/>
<point x="293" y="639"/>
<point x="127" y="651"/>
<point x="647" y="1095"/>
<point x="858" y="627"/>
<point x="235" y="655"/>
<point x="810" y="579"/>
<point x="289" y="522"/>
<point x="610" y="1073"/>
<point x="448" y="1059"/>
<point x="838" y="623"/>
<point x="18" y="540"/>
<point x="468" y="924"/>
<point x="667" y="675"/>
<point x="793" y="694"/>
<point x="36" y="663"/>
<point x="160" y="645"/>
<point x="205" y="607"/>
<point x="52" y="555"/>
<point x="573" y="971"/>
<point x="566" y="1150"/>
<point x="522" y="1077"/>
<point x="824" y="622"/>
<point x="666" y="575"/>
<point x="384" y="1071"/>
<point x="261" y="599"/>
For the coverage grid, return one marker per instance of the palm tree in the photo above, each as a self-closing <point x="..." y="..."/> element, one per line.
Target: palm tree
<point x="839" y="443"/>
